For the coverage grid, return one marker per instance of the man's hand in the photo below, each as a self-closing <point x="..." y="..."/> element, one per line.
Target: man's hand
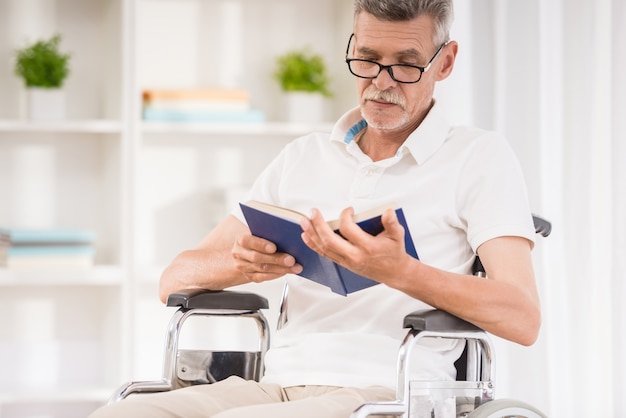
<point x="257" y="259"/>
<point x="378" y="257"/>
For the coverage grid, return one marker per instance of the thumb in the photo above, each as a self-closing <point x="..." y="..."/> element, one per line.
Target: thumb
<point x="392" y="225"/>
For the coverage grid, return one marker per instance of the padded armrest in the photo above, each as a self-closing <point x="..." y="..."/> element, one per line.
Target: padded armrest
<point x="438" y="321"/>
<point x="217" y="299"/>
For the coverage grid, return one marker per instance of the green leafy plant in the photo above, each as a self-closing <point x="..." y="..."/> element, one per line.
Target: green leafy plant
<point x="42" y="65"/>
<point x="302" y="70"/>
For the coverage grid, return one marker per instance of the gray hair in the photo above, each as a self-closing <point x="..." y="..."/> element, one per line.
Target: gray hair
<point x="441" y="11"/>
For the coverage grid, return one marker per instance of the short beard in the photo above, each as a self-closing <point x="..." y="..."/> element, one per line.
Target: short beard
<point x="373" y="120"/>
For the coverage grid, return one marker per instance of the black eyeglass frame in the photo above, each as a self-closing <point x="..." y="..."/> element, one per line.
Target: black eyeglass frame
<point x="389" y="68"/>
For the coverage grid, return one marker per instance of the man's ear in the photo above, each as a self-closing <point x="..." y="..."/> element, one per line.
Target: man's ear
<point x="447" y="59"/>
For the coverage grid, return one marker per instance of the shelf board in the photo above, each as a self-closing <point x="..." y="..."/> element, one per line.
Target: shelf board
<point x="38" y="395"/>
<point x="266" y="128"/>
<point x="100" y="126"/>
<point x="97" y="276"/>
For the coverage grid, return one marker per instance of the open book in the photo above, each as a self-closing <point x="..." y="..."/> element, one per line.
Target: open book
<point x="282" y="227"/>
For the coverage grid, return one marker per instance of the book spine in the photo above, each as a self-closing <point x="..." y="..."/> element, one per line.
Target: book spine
<point x="196" y="94"/>
<point x="250" y="116"/>
<point x="51" y="250"/>
<point x="52" y="262"/>
<point x="198" y="105"/>
<point x="48" y="256"/>
<point x="54" y="236"/>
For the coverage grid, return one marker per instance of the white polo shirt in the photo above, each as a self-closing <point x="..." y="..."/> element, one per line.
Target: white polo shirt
<point x="458" y="187"/>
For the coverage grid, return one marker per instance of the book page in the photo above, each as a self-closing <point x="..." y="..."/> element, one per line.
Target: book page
<point x="296" y="216"/>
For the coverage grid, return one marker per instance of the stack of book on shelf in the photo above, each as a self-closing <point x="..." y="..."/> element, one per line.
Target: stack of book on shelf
<point x="199" y="105"/>
<point x="46" y="248"/>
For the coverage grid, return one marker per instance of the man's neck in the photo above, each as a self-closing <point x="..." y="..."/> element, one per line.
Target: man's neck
<point x="380" y="145"/>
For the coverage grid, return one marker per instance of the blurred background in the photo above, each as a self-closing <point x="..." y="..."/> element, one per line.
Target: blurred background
<point x="171" y="108"/>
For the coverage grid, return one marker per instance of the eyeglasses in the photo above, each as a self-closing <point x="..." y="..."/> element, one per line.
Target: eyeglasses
<point x="402" y="73"/>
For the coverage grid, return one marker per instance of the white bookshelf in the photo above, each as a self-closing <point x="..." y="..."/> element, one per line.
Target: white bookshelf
<point x="148" y="190"/>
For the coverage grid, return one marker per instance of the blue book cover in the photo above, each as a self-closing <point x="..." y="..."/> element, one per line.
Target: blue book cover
<point x="282" y="227"/>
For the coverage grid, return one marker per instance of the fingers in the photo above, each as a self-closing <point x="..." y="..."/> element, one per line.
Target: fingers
<point x="317" y="234"/>
<point x="392" y="225"/>
<point x="257" y="259"/>
<point x="352" y="232"/>
<point x="352" y="247"/>
<point x="322" y="239"/>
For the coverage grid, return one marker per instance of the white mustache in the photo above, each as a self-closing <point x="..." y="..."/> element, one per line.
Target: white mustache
<point x="384" y="95"/>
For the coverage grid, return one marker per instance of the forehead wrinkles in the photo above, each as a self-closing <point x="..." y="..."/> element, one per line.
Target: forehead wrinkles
<point x="395" y="38"/>
<point x="390" y="45"/>
<point x="409" y="52"/>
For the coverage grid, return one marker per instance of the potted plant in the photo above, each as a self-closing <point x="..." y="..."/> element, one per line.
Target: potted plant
<point x="44" y="69"/>
<point x="302" y="75"/>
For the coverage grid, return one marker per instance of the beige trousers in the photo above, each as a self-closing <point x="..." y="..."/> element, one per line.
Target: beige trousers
<point x="238" y="398"/>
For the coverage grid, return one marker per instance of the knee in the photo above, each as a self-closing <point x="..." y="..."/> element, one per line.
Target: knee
<point x="107" y="411"/>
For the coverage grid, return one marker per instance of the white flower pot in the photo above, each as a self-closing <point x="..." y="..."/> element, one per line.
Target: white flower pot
<point x="303" y="107"/>
<point x="45" y="104"/>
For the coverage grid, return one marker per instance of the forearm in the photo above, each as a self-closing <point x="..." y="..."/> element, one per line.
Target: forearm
<point x="209" y="266"/>
<point x="501" y="307"/>
<point x="202" y="269"/>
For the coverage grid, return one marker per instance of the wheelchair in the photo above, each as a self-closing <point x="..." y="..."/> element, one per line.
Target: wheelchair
<point x="475" y="383"/>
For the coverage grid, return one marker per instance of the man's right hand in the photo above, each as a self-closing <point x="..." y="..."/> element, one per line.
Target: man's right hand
<point x="256" y="258"/>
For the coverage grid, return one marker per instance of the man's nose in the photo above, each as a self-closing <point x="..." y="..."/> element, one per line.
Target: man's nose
<point x="383" y="80"/>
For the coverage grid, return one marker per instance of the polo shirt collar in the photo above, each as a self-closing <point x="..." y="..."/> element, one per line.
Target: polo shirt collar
<point x="429" y="135"/>
<point x="348" y="126"/>
<point x="421" y="144"/>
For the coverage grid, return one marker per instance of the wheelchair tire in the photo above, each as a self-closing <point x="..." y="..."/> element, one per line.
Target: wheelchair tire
<point x="506" y="408"/>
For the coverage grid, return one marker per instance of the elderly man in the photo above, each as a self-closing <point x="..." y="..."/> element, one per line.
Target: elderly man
<point x="462" y="193"/>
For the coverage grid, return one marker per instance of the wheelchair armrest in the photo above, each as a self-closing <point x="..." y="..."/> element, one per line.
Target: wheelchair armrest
<point x="437" y="321"/>
<point x="217" y="299"/>
<point x="474" y="364"/>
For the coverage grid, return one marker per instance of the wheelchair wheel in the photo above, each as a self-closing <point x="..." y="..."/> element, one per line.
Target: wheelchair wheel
<point x="506" y="408"/>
